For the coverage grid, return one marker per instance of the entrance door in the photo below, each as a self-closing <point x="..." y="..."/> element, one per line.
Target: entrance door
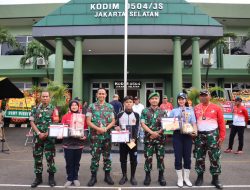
<point x="129" y="93"/>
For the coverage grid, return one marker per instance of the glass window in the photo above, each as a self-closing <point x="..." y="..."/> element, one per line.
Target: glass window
<point x="227" y="85"/>
<point x="149" y="85"/>
<point x="159" y="85"/>
<point x="105" y="85"/>
<point x="19" y="85"/>
<point x="187" y="85"/>
<point x="96" y="85"/>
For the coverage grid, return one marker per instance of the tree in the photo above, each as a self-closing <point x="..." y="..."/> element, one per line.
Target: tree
<point x="35" y="50"/>
<point x="7" y="37"/>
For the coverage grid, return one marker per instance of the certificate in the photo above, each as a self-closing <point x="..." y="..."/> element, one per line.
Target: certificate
<point x="170" y="124"/>
<point x="58" y="130"/>
<point x="120" y="136"/>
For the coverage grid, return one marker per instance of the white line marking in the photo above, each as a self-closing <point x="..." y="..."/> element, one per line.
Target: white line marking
<point x="120" y="188"/>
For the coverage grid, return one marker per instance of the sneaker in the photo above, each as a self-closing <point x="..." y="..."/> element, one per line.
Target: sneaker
<point x="76" y="183"/>
<point x="68" y="183"/>
<point x="228" y="150"/>
<point x="238" y="152"/>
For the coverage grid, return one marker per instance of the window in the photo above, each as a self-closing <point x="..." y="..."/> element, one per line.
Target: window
<point x="154" y="87"/>
<point x="96" y="85"/>
<point x="23" y="40"/>
<point x="23" y="85"/>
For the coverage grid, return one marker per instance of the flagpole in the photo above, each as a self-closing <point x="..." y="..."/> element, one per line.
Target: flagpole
<point x="125" y="48"/>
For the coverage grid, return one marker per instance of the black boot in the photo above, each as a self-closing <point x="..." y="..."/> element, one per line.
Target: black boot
<point x="161" y="178"/>
<point x="199" y="180"/>
<point x="108" y="178"/>
<point x="52" y="182"/>
<point x="216" y="182"/>
<point x="147" y="179"/>
<point x="92" y="180"/>
<point x="38" y="180"/>
<point x="133" y="169"/>
<point x="124" y="178"/>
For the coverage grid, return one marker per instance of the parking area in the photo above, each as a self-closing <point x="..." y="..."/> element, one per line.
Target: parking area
<point x="16" y="167"/>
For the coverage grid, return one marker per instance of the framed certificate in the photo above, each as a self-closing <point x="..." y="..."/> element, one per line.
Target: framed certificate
<point x="58" y="130"/>
<point x="170" y="124"/>
<point x="120" y="136"/>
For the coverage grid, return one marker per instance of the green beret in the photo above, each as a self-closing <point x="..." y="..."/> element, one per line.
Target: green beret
<point x="165" y="96"/>
<point x="153" y="94"/>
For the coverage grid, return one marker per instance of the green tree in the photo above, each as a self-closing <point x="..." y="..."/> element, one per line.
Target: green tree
<point x="7" y="37"/>
<point x="36" y="50"/>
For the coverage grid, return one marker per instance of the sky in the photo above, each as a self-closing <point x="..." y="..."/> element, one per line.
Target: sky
<point x="64" y="1"/>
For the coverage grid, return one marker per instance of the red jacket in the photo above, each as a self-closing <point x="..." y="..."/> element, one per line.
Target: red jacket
<point x="67" y="117"/>
<point x="209" y="118"/>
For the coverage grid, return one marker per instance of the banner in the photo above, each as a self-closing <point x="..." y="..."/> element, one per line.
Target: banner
<point x="19" y="107"/>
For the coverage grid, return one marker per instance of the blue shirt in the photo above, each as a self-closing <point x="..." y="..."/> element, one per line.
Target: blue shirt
<point x="180" y="114"/>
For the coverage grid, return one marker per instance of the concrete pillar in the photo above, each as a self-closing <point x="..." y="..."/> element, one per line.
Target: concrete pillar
<point x="58" y="72"/>
<point x="78" y="74"/>
<point x="196" y="66"/>
<point x="177" y="67"/>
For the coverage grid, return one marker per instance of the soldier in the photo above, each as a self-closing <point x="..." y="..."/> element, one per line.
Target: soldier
<point x="100" y="119"/>
<point x="131" y="120"/>
<point x="211" y="134"/>
<point x="40" y="119"/>
<point x="154" y="140"/>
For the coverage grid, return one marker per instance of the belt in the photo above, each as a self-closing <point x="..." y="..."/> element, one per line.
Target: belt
<point x="206" y="132"/>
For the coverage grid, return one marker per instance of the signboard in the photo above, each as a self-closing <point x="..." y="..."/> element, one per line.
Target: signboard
<point x="130" y="84"/>
<point x="19" y="107"/>
<point x="17" y="114"/>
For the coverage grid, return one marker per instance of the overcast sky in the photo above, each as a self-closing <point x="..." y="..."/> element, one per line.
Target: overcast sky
<point x="64" y="1"/>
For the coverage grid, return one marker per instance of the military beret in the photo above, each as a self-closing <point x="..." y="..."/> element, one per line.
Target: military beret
<point x="153" y="94"/>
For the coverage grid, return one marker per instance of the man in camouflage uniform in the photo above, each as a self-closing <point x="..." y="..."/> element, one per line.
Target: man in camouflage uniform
<point x="100" y="119"/>
<point x="40" y="119"/>
<point x="154" y="140"/>
<point x="211" y="134"/>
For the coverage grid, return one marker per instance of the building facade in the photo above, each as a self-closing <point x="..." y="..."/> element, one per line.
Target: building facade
<point x="167" y="46"/>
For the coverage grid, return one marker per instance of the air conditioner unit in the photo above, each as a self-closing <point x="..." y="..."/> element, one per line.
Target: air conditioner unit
<point x="40" y="61"/>
<point x="188" y="62"/>
<point x="205" y="61"/>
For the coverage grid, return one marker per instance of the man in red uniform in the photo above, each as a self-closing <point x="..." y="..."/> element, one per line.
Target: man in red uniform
<point x="240" y="120"/>
<point x="166" y="106"/>
<point x="211" y="134"/>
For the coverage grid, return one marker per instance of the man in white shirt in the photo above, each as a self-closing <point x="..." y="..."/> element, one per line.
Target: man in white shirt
<point x="138" y="107"/>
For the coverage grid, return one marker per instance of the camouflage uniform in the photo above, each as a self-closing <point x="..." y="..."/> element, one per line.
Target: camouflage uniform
<point x="42" y="118"/>
<point x="152" y="118"/>
<point x="101" y="116"/>
<point x="204" y="143"/>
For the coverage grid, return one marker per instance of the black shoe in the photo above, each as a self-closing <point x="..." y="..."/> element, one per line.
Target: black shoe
<point x="161" y="178"/>
<point x="108" y="178"/>
<point x="92" y="180"/>
<point x="124" y="179"/>
<point x="147" y="179"/>
<point x="38" y="180"/>
<point x="133" y="169"/>
<point x="199" y="180"/>
<point x="216" y="182"/>
<point x="52" y="182"/>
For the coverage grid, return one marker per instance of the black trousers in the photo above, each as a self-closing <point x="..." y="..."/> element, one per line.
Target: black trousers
<point x="72" y="158"/>
<point x="182" y="144"/>
<point x="124" y="151"/>
<point x="234" y="130"/>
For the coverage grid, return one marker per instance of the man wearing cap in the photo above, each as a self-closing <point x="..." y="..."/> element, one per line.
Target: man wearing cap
<point x="166" y="106"/>
<point x="154" y="139"/>
<point x="211" y="134"/>
<point x="138" y="107"/>
<point x="240" y="120"/>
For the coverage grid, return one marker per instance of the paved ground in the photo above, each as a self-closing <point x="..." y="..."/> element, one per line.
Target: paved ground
<point x="16" y="168"/>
